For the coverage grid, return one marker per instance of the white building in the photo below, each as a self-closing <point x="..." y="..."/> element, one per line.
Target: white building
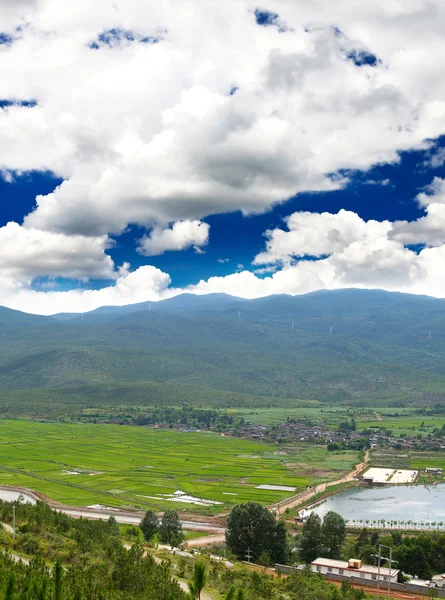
<point x="389" y="475"/>
<point x="439" y="580"/>
<point x="353" y="568"/>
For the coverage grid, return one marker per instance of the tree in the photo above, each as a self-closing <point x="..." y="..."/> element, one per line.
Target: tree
<point x="264" y="559"/>
<point x="9" y="594"/>
<point x="233" y="595"/>
<point x="333" y="446"/>
<point x="333" y="535"/>
<point x="362" y="540"/>
<point x="114" y="527"/>
<point x="199" y="580"/>
<point x="149" y="525"/>
<point x="170" y="530"/>
<point x="252" y="529"/>
<point x="417" y="564"/>
<point x="310" y="539"/>
<point x="41" y="590"/>
<point x="58" y="581"/>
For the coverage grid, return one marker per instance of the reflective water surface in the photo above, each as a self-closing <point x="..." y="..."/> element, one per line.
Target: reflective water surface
<point x="398" y="503"/>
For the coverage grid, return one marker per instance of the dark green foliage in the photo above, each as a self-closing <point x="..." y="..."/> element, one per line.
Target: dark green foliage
<point x="311" y="539"/>
<point x="322" y="538"/>
<point x="333" y="535"/>
<point x="234" y="594"/>
<point x="421" y="555"/>
<point x="333" y="446"/>
<point x="149" y="525"/>
<point x="89" y="562"/>
<point x="199" y="580"/>
<point x="58" y="581"/>
<point x="251" y="528"/>
<point x="196" y="349"/>
<point x="414" y="561"/>
<point x="9" y="594"/>
<point x="305" y="585"/>
<point x="170" y="529"/>
<point x="113" y="525"/>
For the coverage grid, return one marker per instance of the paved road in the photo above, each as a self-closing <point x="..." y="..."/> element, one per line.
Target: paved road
<point x="127" y="518"/>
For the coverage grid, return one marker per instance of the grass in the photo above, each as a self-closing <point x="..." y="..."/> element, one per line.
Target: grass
<point x="130" y="466"/>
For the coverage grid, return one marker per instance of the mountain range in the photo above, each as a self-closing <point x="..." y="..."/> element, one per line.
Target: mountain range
<point x="344" y="346"/>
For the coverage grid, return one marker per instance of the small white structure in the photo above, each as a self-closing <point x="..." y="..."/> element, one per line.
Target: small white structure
<point x="277" y="488"/>
<point x="353" y="568"/>
<point x="439" y="580"/>
<point x="389" y="475"/>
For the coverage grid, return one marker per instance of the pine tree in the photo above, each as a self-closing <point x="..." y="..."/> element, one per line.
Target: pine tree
<point x="333" y="535"/>
<point x="199" y="580"/>
<point x="170" y="530"/>
<point x="149" y="525"/>
<point x="310" y="539"/>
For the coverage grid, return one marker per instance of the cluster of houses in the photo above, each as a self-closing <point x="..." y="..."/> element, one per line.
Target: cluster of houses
<point x="318" y="432"/>
<point x="378" y="440"/>
<point x="300" y="431"/>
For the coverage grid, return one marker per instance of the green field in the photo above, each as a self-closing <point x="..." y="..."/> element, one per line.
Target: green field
<point x="129" y="466"/>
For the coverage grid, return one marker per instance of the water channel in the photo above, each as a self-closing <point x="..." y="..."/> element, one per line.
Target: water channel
<point x="415" y="503"/>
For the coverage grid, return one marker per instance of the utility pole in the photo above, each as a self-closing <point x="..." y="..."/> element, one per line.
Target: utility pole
<point x="248" y="555"/>
<point x="390" y="560"/>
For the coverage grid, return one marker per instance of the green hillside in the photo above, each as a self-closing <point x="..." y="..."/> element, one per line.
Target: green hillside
<point x="344" y="346"/>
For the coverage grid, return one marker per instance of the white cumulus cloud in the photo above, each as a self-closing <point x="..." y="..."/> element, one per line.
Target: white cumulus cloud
<point x="181" y="236"/>
<point x="26" y="254"/>
<point x="145" y="283"/>
<point x="163" y="113"/>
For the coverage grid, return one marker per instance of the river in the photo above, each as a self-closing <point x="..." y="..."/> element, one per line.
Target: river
<point x="414" y="503"/>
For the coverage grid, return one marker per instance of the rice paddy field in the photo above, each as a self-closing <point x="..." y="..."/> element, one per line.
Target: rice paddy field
<point x="122" y="466"/>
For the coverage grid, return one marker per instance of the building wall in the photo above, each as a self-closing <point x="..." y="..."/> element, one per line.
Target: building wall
<point x="402" y="587"/>
<point x="349" y="573"/>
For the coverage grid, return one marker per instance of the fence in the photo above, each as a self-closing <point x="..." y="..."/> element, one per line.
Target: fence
<point x="410" y="587"/>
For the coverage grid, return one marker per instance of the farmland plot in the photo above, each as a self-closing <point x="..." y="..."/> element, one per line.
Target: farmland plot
<point x="120" y="466"/>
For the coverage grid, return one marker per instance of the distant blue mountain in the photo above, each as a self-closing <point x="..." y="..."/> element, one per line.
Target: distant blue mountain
<point x="343" y="346"/>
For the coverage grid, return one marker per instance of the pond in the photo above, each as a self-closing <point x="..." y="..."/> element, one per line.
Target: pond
<point x="414" y="503"/>
<point x="10" y="496"/>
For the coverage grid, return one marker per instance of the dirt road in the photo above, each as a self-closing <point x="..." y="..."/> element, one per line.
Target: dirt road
<point x="208" y="540"/>
<point x="306" y="496"/>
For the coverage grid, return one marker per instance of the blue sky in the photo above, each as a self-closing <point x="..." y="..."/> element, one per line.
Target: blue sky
<point x="287" y="150"/>
<point x="235" y="238"/>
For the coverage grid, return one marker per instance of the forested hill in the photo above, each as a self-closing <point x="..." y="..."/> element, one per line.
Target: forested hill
<point x="346" y="345"/>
